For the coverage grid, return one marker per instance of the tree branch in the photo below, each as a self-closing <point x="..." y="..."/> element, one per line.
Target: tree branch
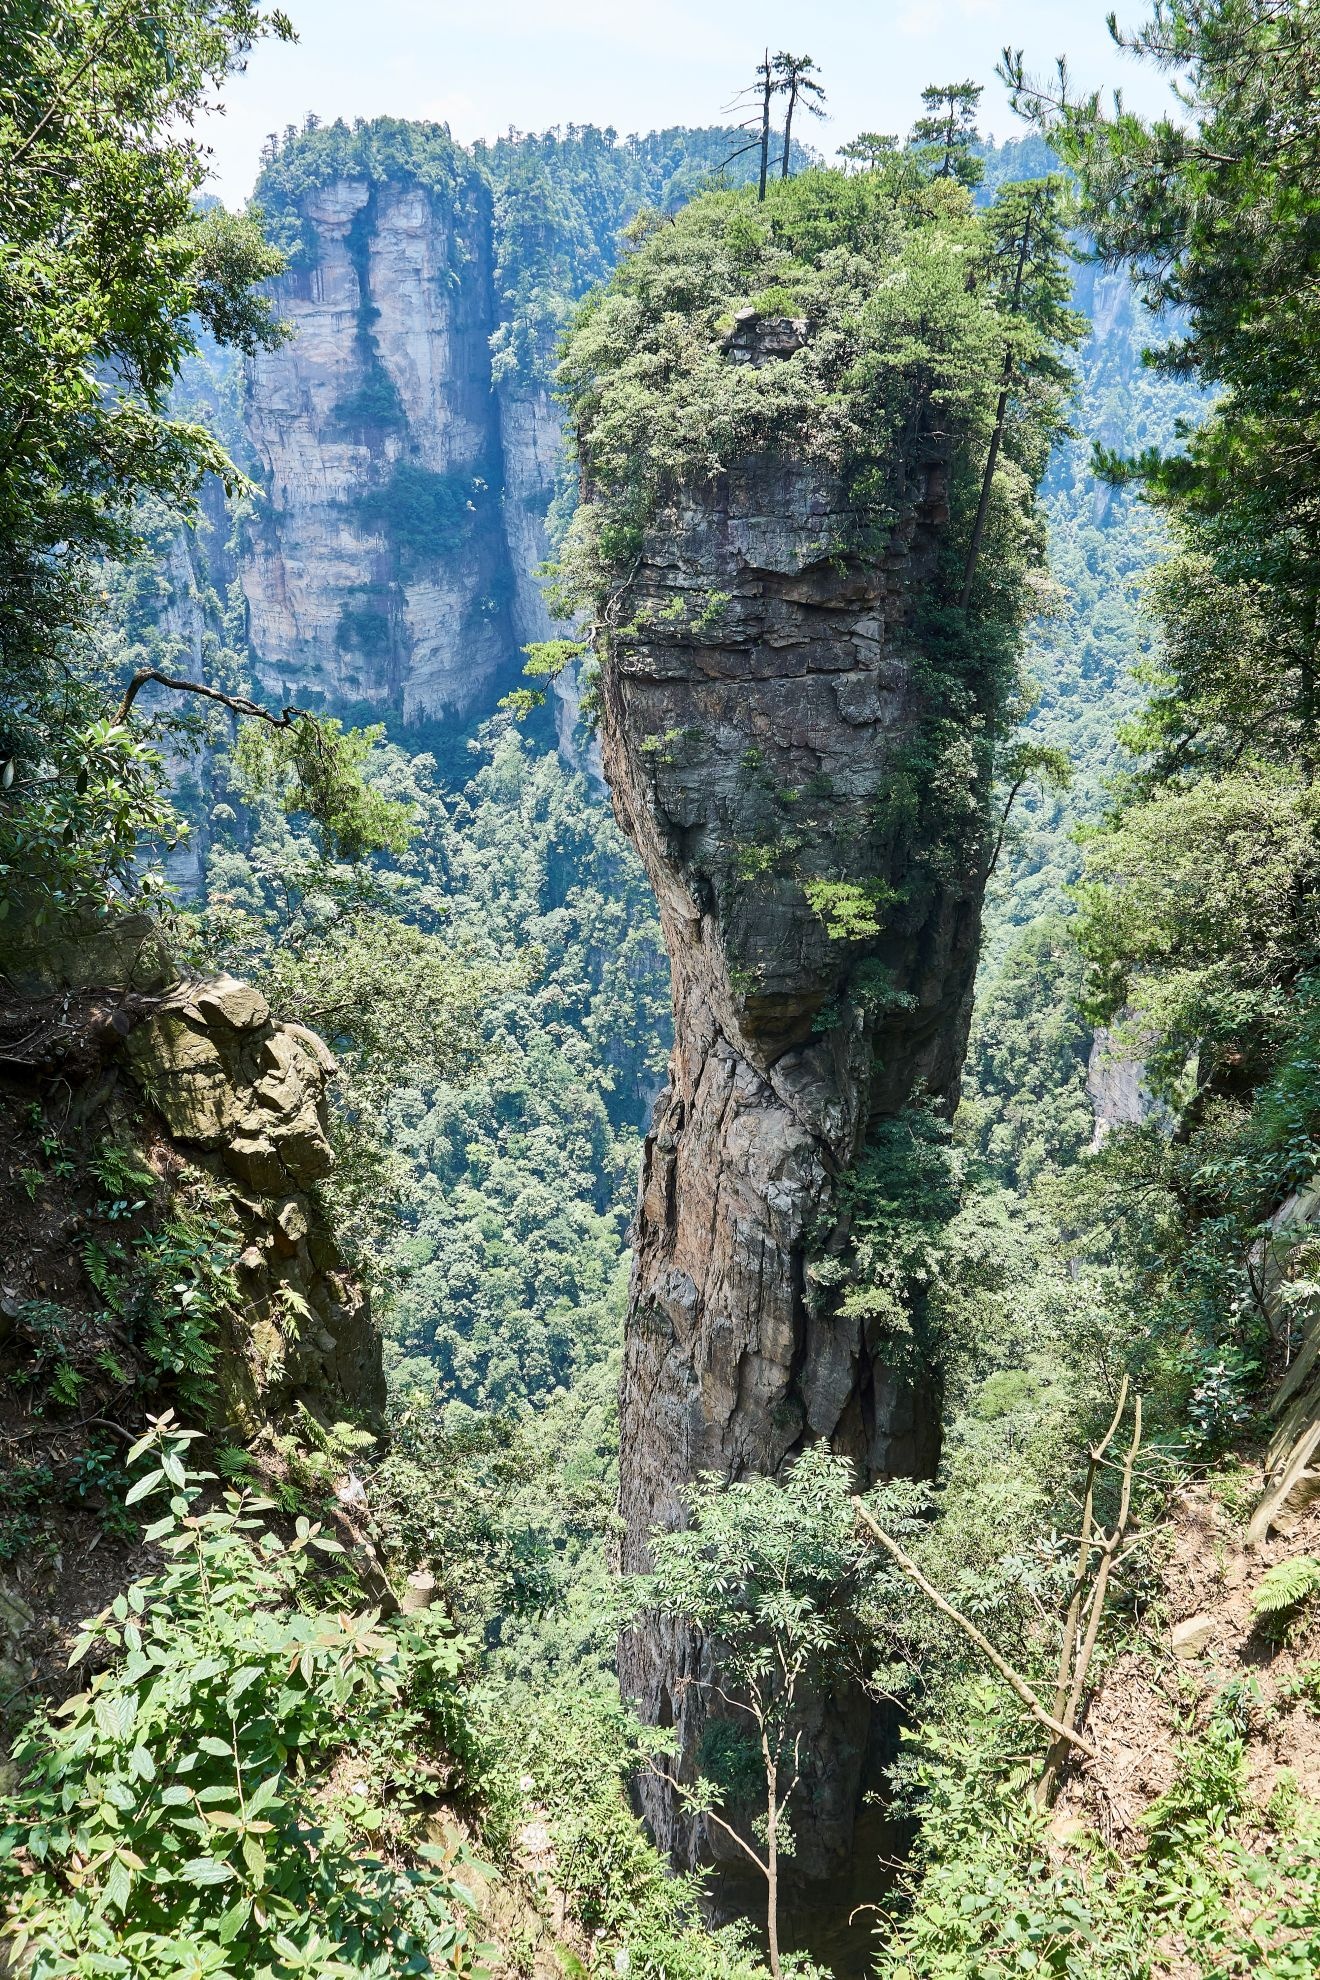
<point x="685" y="1794"/>
<point x="1109" y="1550"/>
<point x="1018" y="1684"/>
<point x="238" y="703"/>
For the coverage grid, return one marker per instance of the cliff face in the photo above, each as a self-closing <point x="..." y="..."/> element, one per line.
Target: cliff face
<point x="379" y="569"/>
<point x="756" y="710"/>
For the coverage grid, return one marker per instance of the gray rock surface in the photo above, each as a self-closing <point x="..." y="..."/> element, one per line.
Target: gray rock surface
<point x="248" y="1095"/>
<point x="755" y="712"/>
<point x="389" y="368"/>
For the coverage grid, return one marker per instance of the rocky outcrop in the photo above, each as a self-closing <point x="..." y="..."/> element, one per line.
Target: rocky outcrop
<point x="392" y="561"/>
<point x="233" y="1085"/>
<point x="198" y="1076"/>
<point x="1116" y="1082"/>
<point x="378" y="568"/>
<point x="759" y="708"/>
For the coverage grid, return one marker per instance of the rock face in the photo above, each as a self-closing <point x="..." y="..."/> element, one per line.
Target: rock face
<point x="97" y="1011"/>
<point x="1116" y="1086"/>
<point x="379" y="568"/>
<point x="532" y="438"/>
<point x="250" y="1094"/>
<point x="757" y="708"/>
<point x="392" y="561"/>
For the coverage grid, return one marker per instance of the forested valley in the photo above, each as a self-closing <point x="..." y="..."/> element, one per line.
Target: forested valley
<point x="659" y="1308"/>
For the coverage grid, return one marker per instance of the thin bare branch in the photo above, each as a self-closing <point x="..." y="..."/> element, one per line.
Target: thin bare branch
<point x="237" y="703"/>
<point x="1017" y="1683"/>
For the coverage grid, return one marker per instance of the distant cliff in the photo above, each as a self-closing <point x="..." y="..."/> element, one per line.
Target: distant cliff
<point x="406" y="441"/>
<point x="380" y="571"/>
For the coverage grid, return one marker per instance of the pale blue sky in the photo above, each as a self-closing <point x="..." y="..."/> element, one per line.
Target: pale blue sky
<point x="483" y="65"/>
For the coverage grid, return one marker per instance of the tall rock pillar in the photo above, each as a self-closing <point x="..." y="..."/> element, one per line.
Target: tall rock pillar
<point x="761" y="694"/>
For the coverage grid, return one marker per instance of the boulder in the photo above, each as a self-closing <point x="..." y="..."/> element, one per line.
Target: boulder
<point x="229" y="1079"/>
<point x="1193" y="1637"/>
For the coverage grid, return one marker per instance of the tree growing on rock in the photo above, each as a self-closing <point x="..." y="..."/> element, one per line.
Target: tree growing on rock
<point x="774" y="1577"/>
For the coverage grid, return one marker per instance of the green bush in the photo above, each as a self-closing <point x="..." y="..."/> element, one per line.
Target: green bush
<point x="177" y="1817"/>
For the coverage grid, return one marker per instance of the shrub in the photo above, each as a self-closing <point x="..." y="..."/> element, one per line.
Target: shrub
<point x="176" y="1816"/>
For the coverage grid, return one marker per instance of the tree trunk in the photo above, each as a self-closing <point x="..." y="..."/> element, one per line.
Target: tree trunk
<point x="1001" y="412"/>
<point x="987" y="480"/>
<point x="765" y="128"/>
<point x="788" y="130"/>
<point x="771" y="1857"/>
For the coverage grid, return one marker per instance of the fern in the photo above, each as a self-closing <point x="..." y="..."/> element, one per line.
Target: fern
<point x="1281" y="1592"/>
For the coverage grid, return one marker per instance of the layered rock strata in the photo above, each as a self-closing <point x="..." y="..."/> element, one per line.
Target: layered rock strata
<point x="378" y="568"/>
<point x="757" y="710"/>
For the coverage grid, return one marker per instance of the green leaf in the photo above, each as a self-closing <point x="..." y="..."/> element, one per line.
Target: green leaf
<point x="207" y="1870"/>
<point x="264" y="1795"/>
<point x="118" y="1885"/>
<point x="242" y="1678"/>
<point x="151" y="1483"/>
<point x="254" y="1856"/>
<point x="114" y="1714"/>
<point x="233" y="1921"/>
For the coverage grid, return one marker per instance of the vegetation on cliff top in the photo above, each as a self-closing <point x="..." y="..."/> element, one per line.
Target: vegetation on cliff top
<point x="909" y="305"/>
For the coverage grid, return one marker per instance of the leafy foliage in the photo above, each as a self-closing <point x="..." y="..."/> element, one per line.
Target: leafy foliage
<point x="174" y="1817"/>
<point x="108" y="275"/>
<point x="774" y="1576"/>
<point x="1283" y="1589"/>
<point x="316" y="766"/>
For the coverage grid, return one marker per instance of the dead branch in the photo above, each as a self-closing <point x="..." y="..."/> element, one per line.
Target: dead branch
<point x="1109" y="1551"/>
<point x="238" y="704"/>
<point x="1083" y="1557"/>
<point x="1018" y="1684"/>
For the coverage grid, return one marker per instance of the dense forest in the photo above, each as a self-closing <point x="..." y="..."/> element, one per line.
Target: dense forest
<point x="656" y="1029"/>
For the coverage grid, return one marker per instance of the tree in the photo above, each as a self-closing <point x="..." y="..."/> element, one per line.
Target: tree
<point x="869" y="149"/>
<point x="944" y="137"/>
<point x="761" y="94"/>
<point x="109" y="274"/>
<point x="773" y="1575"/>
<point x="1029" y="273"/>
<point x="795" y="74"/>
<point x="1213" y="211"/>
<point x="767" y="85"/>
